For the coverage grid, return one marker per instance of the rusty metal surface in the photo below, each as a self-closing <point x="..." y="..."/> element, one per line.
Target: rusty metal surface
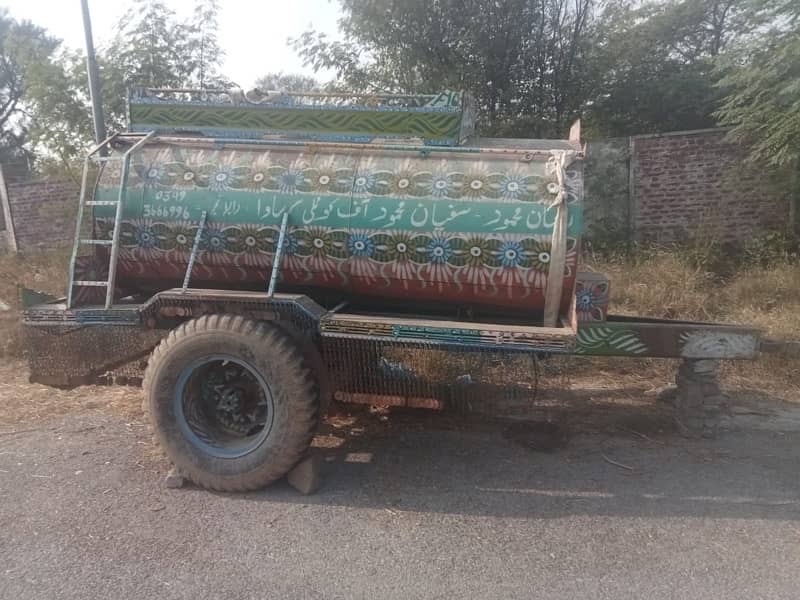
<point x="70" y="355"/>
<point x="420" y="374"/>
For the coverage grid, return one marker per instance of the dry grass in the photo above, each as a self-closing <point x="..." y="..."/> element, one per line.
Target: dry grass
<point x="42" y="272"/>
<point x="30" y="404"/>
<point x="666" y="285"/>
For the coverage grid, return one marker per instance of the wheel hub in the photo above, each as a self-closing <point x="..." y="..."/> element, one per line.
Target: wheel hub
<point x="226" y="405"/>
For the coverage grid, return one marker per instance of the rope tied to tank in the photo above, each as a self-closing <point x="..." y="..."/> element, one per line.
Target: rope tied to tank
<point x="557" y="165"/>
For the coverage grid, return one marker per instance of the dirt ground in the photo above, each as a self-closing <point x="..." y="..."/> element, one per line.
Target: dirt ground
<point x="414" y="505"/>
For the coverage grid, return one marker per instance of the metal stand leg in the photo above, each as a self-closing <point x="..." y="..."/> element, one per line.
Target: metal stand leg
<point x="276" y="262"/>
<point x="698" y="401"/>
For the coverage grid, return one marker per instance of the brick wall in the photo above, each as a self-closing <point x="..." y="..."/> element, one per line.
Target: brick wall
<point x="696" y="182"/>
<point x="43" y="212"/>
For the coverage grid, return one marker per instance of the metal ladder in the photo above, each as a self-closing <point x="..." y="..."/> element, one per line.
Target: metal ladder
<point x="100" y="154"/>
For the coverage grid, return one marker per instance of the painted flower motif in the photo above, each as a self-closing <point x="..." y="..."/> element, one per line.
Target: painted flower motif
<point x="319" y="250"/>
<point x="145" y="236"/>
<point x="180" y="237"/>
<point x="290" y="245"/>
<point x="290" y="180"/>
<point x="401" y="183"/>
<point x="538" y="254"/>
<point x="221" y="178"/>
<point x="542" y="189"/>
<point x="476" y="185"/>
<point x="591" y="300"/>
<point x="442" y="185"/>
<point x="397" y="247"/>
<point x="439" y="250"/>
<point x="251" y="239"/>
<point x="474" y="252"/>
<point x="324" y="181"/>
<point x="152" y="174"/>
<point x="360" y="245"/>
<point x="363" y="182"/>
<point x="584" y="300"/>
<point x="258" y="179"/>
<point x="315" y="242"/>
<point x="215" y="240"/>
<point x="513" y="186"/>
<point x="181" y="175"/>
<point x="142" y="239"/>
<point x="510" y="254"/>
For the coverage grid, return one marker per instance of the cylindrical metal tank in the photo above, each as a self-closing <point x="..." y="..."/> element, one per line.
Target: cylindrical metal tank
<point x="468" y="225"/>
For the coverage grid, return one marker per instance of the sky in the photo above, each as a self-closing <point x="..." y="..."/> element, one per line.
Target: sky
<point x="253" y="33"/>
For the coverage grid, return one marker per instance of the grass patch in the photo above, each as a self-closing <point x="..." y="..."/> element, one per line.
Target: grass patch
<point x="672" y="285"/>
<point x="45" y="272"/>
<point x="666" y="285"/>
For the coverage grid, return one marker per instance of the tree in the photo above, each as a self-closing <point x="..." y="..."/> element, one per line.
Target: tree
<point x="524" y="60"/>
<point x="152" y="48"/>
<point x="60" y="127"/>
<point x="761" y="82"/>
<point x="287" y="82"/>
<point x="147" y="50"/>
<point x="656" y="64"/>
<point x="44" y="104"/>
<point x="27" y="64"/>
<point x="202" y="47"/>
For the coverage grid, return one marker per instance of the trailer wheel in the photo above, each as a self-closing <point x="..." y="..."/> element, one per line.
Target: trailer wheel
<point x="232" y="401"/>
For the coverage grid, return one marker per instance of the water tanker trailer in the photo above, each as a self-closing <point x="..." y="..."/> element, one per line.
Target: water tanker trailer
<point x="252" y="258"/>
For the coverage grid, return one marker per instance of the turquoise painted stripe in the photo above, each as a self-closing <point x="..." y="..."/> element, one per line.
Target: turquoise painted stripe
<point x="341" y="212"/>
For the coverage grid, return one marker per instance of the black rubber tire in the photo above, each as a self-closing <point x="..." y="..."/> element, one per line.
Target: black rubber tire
<point x="276" y="358"/>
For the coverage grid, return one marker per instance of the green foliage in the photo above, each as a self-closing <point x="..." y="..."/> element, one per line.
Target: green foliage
<point x="152" y="48"/>
<point x="772" y="249"/>
<point x="522" y="59"/>
<point x="203" y="52"/>
<point x="762" y="86"/>
<point x="44" y="104"/>
<point x="26" y="65"/>
<point x="657" y="64"/>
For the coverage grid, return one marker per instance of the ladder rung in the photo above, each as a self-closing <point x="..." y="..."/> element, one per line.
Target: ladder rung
<point x="91" y="283"/>
<point x="102" y="202"/>
<point x="97" y="242"/>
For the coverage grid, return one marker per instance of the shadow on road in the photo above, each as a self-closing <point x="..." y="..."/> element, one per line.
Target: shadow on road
<point x="621" y="459"/>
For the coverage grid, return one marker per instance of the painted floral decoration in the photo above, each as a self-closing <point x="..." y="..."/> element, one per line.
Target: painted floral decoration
<point x="591" y="300"/>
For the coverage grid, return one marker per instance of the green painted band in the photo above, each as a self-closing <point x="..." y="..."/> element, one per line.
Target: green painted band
<point x="341" y="211"/>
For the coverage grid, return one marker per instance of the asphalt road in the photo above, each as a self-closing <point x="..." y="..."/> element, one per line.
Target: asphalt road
<point x="412" y="507"/>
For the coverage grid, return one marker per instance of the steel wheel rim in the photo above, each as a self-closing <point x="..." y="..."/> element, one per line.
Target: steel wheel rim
<point x="206" y="409"/>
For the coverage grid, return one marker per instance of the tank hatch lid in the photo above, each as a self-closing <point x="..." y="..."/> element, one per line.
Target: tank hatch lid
<point x="443" y="119"/>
